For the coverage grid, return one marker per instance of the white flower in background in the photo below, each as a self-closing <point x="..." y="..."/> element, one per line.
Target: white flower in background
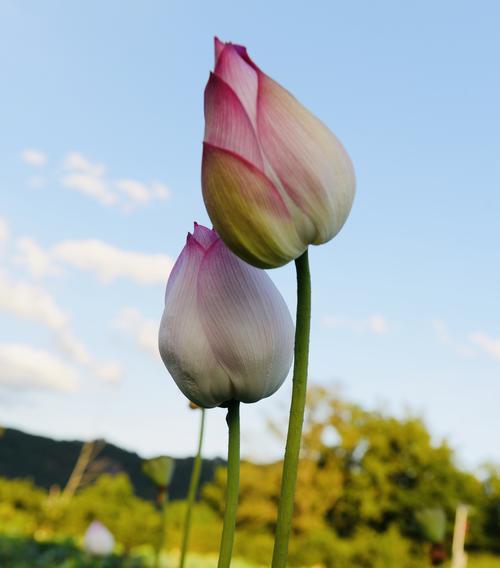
<point x="98" y="540"/>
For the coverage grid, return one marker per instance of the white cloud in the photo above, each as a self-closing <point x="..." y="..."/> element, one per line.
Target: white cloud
<point x="90" y="185"/>
<point x="87" y="178"/>
<point x="160" y="190"/>
<point x="75" y="161"/>
<point x="108" y="372"/>
<point x="140" y="193"/>
<point x="375" y="323"/>
<point x="111" y="372"/>
<point x="106" y="261"/>
<point x="136" y="190"/>
<point x="34" y="303"/>
<point x="109" y="262"/>
<point x="487" y="344"/>
<point x="446" y="338"/>
<point x="143" y="331"/>
<point x="378" y="324"/>
<point x="34" y="259"/>
<point x="33" y="157"/>
<point x="23" y="367"/>
<point x="92" y="180"/>
<point x="74" y="348"/>
<point x="30" y="302"/>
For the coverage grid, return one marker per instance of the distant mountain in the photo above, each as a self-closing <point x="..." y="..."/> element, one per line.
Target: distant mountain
<point x="49" y="462"/>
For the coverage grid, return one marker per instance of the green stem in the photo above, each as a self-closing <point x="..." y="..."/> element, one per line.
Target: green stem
<point x="297" y="409"/>
<point x="161" y="499"/>
<point x="193" y="487"/>
<point x="233" y="485"/>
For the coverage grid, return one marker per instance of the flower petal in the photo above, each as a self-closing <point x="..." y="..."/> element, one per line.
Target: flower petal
<point x="182" y="342"/>
<point x="227" y="124"/>
<point x="98" y="539"/>
<point x="232" y="68"/>
<point x="218" y="47"/>
<point x="311" y="163"/>
<point x="204" y="236"/>
<point x="247" y="323"/>
<point x="247" y="210"/>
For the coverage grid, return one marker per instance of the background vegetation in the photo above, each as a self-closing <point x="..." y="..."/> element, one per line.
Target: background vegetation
<point x="369" y="487"/>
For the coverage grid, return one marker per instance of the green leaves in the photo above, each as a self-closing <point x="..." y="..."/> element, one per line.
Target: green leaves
<point x="28" y="553"/>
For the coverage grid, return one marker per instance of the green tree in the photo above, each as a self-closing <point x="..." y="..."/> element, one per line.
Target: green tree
<point x="389" y="468"/>
<point x="359" y="469"/>
<point x="21" y="507"/>
<point x="484" y="526"/>
<point x="111" y="500"/>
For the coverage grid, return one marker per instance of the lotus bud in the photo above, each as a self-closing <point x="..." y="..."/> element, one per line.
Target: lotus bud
<point x="275" y="178"/>
<point x="160" y="470"/>
<point x="432" y="524"/>
<point x="226" y="333"/>
<point x="98" y="540"/>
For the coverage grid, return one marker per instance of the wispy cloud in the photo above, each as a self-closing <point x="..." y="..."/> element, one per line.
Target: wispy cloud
<point x="30" y="302"/>
<point x="106" y="261"/>
<point x="25" y="367"/>
<point x="445" y="337"/>
<point x="378" y="324"/>
<point x="33" y="303"/>
<point x="34" y="258"/>
<point x="77" y="162"/>
<point x="143" y="331"/>
<point x="110" y="372"/>
<point x="469" y="345"/>
<point x="140" y="193"/>
<point x="91" y="179"/>
<point x="91" y="186"/>
<point x="375" y="323"/>
<point x="34" y="157"/>
<point x="487" y="344"/>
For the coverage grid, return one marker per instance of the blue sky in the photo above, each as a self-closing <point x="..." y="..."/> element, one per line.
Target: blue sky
<point x="101" y="126"/>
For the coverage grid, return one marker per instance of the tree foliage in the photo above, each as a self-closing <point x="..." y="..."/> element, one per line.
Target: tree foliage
<point x="365" y="472"/>
<point x="373" y="491"/>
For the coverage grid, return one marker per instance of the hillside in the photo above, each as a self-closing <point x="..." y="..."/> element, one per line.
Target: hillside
<point x="49" y="462"/>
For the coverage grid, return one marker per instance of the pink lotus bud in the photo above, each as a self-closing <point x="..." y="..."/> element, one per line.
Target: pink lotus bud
<point x="226" y="332"/>
<point x="98" y="540"/>
<point x="275" y="178"/>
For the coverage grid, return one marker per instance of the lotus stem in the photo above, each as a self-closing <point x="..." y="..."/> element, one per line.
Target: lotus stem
<point x="297" y="409"/>
<point x="161" y="500"/>
<point x="193" y="488"/>
<point x="233" y="485"/>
